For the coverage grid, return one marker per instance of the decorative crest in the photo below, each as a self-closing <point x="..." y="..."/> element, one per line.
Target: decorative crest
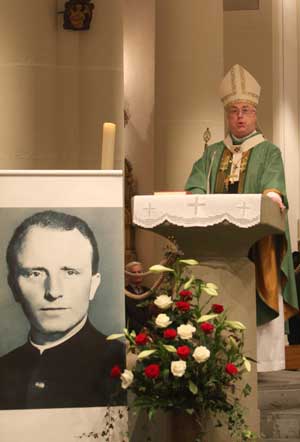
<point x="78" y="14"/>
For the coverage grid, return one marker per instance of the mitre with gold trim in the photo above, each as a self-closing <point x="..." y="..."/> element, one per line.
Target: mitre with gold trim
<point x="239" y="85"/>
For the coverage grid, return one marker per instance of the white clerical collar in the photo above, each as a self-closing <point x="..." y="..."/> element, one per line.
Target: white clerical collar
<point x="246" y="145"/>
<point x="241" y="140"/>
<point x="69" y="335"/>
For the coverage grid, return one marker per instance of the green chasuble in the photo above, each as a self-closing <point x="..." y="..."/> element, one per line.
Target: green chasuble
<point x="261" y="170"/>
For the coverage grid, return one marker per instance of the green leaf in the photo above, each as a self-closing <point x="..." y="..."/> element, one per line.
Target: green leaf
<point x="151" y="413"/>
<point x="189" y="262"/>
<point x="193" y="388"/>
<point x="170" y="348"/>
<point x="205" y="318"/>
<point x="158" y="268"/>
<point x="146" y="353"/>
<point x="115" y="336"/>
<point x="247" y="390"/>
<point x="247" y="434"/>
<point x="237" y="325"/>
<point x="166" y="373"/>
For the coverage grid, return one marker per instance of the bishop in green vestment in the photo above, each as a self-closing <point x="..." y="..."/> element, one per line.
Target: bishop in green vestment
<point x="244" y="162"/>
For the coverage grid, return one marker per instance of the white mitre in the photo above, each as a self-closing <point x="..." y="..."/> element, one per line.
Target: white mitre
<point x="239" y="85"/>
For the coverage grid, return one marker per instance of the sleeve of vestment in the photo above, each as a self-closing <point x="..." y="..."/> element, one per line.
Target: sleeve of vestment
<point x="273" y="174"/>
<point x="197" y="181"/>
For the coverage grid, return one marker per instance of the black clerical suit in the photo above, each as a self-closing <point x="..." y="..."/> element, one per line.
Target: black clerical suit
<point x="75" y="373"/>
<point x="136" y="317"/>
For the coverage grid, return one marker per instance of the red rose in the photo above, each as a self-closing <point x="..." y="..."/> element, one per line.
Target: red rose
<point x="115" y="372"/>
<point x="183" y="351"/>
<point x="170" y="333"/>
<point x="186" y="294"/>
<point x="152" y="371"/>
<point x="183" y="306"/>
<point x="141" y="339"/>
<point x="207" y="327"/>
<point x="217" y="308"/>
<point x="231" y="369"/>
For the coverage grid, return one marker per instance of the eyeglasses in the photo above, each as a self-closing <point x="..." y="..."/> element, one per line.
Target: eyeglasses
<point x="236" y="112"/>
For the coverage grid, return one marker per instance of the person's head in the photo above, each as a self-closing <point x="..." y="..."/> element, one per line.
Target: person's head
<point x="136" y="269"/>
<point x="53" y="261"/>
<point x="241" y="118"/>
<point x="240" y="94"/>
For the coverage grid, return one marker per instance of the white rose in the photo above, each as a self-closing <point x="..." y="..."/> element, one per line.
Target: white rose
<point x="163" y="302"/>
<point x="162" y="320"/>
<point x="178" y="368"/>
<point x="126" y="378"/>
<point x="186" y="331"/>
<point x="201" y="354"/>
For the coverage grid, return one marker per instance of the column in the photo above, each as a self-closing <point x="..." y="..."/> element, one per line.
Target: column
<point x="90" y="86"/>
<point x="101" y="82"/>
<point x="139" y="66"/>
<point x="189" y="67"/>
<point x="286" y="96"/>
<point x="27" y="83"/>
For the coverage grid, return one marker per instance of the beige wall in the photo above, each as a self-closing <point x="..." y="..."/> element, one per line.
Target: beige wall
<point x="57" y="87"/>
<point x="189" y="67"/>
<point x="139" y="62"/>
<point x="248" y="41"/>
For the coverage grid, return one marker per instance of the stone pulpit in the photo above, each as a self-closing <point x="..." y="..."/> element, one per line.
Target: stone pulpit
<point x="219" y="230"/>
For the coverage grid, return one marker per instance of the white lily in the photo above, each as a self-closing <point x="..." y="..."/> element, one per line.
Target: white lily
<point x="144" y="354"/>
<point x="158" y="268"/>
<point x="205" y="318"/>
<point x="237" y="325"/>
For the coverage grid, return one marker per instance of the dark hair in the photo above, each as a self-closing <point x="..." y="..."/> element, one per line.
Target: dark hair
<point x="52" y="220"/>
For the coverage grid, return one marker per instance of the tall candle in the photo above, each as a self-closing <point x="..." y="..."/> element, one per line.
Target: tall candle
<point x="108" y="146"/>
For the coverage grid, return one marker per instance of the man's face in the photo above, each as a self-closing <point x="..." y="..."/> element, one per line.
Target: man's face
<point x="55" y="280"/>
<point x="136" y="279"/>
<point x="241" y="118"/>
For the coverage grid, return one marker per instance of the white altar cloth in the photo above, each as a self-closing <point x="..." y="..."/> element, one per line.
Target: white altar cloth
<point x="243" y="210"/>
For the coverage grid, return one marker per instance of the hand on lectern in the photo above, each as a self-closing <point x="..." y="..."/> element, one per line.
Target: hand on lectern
<point x="277" y="199"/>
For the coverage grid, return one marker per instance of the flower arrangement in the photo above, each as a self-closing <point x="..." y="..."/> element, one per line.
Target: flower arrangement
<point x="190" y="357"/>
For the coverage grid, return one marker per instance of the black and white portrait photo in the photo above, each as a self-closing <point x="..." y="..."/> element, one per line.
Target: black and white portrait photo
<point x="60" y="296"/>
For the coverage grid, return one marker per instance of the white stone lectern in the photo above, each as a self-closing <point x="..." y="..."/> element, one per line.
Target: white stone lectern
<point x="219" y="230"/>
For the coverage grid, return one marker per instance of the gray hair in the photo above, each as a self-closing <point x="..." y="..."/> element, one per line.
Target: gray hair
<point x="131" y="264"/>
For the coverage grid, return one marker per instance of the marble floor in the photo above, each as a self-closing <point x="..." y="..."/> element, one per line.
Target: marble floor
<point x="279" y="403"/>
